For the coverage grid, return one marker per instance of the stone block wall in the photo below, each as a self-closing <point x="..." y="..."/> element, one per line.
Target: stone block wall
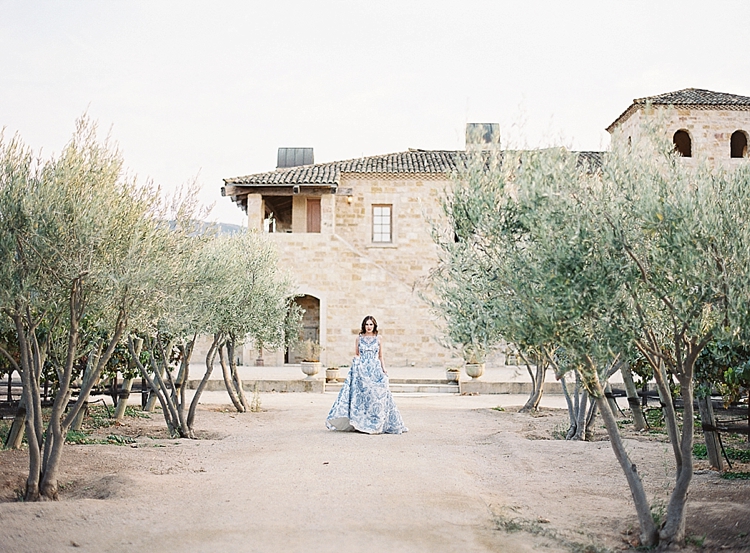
<point x="710" y="129"/>
<point x="354" y="277"/>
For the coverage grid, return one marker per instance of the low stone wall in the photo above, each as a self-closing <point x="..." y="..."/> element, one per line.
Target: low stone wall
<point x="302" y="385"/>
<point x="317" y="385"/>
<point x="481" y="387"/>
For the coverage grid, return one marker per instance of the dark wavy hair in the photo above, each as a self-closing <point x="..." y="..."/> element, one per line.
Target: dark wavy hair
<point x="374" y="324"/>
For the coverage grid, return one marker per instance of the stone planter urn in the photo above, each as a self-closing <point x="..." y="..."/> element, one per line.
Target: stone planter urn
<point x="451" y="375"/>
<point x="475" y="370"/>
<point x="310" y="368"/>
<point x="332" y="374"/>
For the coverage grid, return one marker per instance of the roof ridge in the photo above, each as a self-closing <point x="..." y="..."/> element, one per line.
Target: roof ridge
<point x="695" y="96"/>
<point x="427" y="162"/>
<point x="408" y="161"/>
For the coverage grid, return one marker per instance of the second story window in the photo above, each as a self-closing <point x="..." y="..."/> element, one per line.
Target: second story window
<point x="382" y="223"/>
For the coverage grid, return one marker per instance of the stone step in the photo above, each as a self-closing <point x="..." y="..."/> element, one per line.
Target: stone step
<point x="420" y="381"/>
<point x="410" y="387"/>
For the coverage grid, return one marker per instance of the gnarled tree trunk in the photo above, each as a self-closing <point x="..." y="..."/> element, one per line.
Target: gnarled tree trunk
<point x="232" y="379"/>
<point x="648" y="530"/>
<point x="639" y="421"/>
<point x="165" y="393"/>
<point x="537" y="383"/>
<point x="59" y="421"/>
<point x="210" y="359"/>
<point x="127" y="385"/>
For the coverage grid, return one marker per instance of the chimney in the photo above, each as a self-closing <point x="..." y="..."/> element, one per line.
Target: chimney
<point x="294" y="157"/>
<point x="482" y="136"/>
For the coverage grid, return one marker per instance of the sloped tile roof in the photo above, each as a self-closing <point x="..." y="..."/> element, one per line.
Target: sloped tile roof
<point x="437" y="162"/>
<point x="698" y="97"/>
<point x="695" y="97"/>
<point x="320" y="173"/>
<point x="592" y="160"/>
<point x="411" y="161"/>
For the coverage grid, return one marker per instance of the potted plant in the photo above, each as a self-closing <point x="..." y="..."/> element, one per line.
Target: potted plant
<point x="452" y="374"/>
<point x="332" y="373"/>
<point x="310" y="358"/>
<point x="475" y="356"/>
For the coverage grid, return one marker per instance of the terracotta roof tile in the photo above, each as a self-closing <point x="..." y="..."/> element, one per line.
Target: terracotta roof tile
<point x="593" y="160"/>
<point x="694" y="97"/>
<point x="410" y="162"/>
<point x="320" y="173"/>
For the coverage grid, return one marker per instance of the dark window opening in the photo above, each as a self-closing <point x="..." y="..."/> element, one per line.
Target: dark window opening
<point x="682" y="143"/>
<point x="738" y="144"/>
<point x="278" y="214"/>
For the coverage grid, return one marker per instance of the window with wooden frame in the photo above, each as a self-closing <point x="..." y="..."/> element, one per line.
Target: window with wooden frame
<point x="382" y="224"/>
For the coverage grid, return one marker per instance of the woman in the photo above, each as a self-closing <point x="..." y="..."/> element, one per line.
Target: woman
<point x="365" y="403"/>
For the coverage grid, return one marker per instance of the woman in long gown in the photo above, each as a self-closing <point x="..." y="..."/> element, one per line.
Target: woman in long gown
<point x="365" y="403"/>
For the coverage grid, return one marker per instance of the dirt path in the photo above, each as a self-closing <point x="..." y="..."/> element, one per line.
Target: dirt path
<point x="278" y="481"/>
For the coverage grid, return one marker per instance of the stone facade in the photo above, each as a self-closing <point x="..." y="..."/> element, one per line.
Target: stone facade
<point x="352" y="276"/>
<point x="323" y="219"/>
<point x="710" y="119"/>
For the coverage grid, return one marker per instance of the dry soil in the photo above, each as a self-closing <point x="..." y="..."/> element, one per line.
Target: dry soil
<point x="465" y="478"/>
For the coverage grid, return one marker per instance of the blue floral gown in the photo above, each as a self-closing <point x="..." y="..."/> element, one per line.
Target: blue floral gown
<point x="365" y="403"/>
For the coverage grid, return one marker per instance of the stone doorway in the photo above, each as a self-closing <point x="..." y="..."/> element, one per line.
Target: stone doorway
<point x="310" y="326"/>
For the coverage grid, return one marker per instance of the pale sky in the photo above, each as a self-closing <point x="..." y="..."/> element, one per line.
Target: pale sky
<point x="212" y="89"/>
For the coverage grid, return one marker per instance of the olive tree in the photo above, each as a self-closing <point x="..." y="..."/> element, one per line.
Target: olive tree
<point x="504" y="243"/>
<point x="257" y="305"/>
<point x="679" y="226"/>
<point x="224" y="286"/>
<point x="479" y="256"/>
<point x="647" y="254"/>
<point x="70" y="228"/>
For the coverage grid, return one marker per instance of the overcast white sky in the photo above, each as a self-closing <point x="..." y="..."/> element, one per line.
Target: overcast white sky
<point x="214" y="88"/>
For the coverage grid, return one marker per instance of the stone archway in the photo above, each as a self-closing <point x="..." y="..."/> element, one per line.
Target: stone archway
<point x="683" y="144"/>
<point x="311" y="328"/>
<point x="738" y="144"/>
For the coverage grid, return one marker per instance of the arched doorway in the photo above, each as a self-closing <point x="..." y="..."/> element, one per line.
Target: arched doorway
<point x="310" y="306"/>
<point x="738" y="144"/>
<point x="683" y="143"/>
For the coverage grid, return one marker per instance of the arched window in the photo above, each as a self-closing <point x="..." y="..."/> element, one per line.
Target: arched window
<point x="682" y="143"/>
<point x="738" y="144"/>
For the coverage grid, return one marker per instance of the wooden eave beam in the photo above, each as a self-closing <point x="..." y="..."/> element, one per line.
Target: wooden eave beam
<point x="239" y="191"/>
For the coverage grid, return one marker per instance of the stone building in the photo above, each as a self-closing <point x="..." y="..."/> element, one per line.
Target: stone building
<point x="356" y="237"/>
<point x="355" y="234"/>
<point x="701" y="123"/>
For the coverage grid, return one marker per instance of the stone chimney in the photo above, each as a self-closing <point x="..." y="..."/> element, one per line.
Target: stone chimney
<point x="294" y="157"/>
<point x="482" y="136"/>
